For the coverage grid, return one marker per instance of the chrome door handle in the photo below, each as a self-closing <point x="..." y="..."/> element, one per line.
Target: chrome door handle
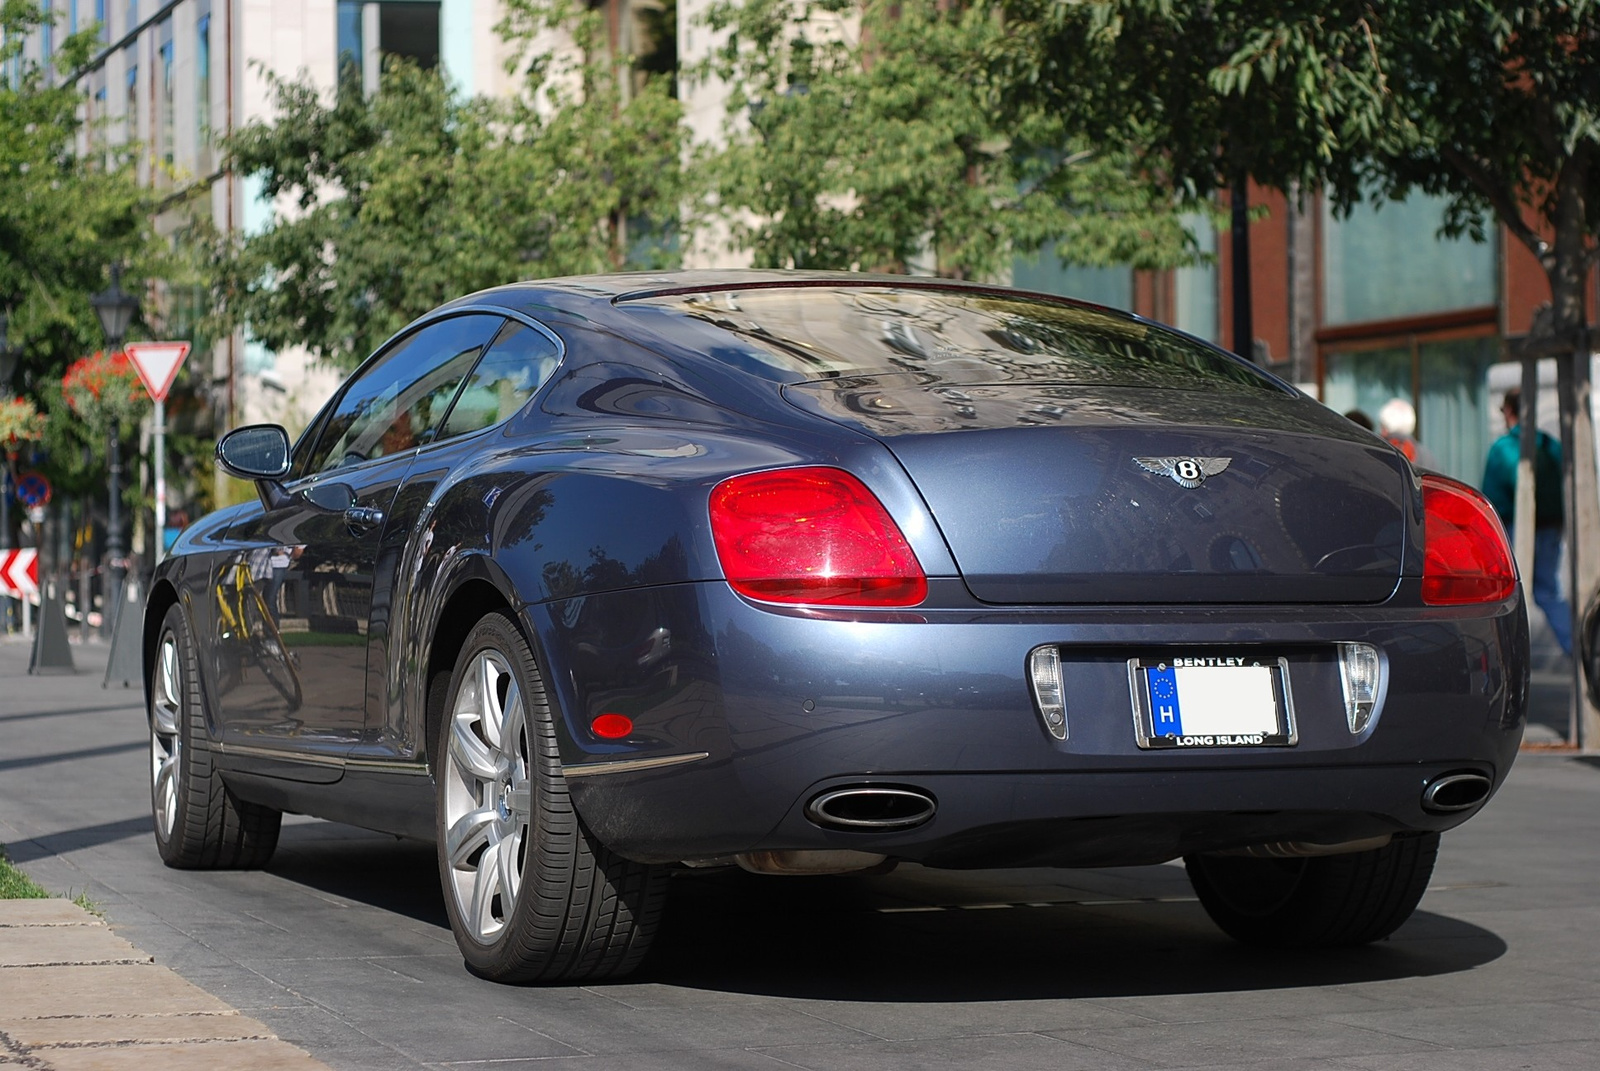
<point x="363" y="518"/>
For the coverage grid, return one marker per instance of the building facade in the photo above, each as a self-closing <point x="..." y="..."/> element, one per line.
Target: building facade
<point x="1356" y="310"/>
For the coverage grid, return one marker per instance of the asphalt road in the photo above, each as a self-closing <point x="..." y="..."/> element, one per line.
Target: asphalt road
<point x="341" y="945"/>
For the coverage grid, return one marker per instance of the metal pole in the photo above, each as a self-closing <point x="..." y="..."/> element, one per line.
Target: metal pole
<point x="161" y="480"/>
<point x="114" y="548"/>
<point x="5" y="536"/>
<point x="1244" y="334"/>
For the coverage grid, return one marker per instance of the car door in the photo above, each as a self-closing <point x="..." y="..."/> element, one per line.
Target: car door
<point x="512" y="369"/>
<point x="295" y="600"/>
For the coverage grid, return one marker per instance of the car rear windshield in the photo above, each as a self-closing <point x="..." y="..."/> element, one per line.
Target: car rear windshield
<point x="822" y="332"/>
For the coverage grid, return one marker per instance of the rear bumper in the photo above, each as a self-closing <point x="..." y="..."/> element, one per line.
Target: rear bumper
<point x="786" y="705"/>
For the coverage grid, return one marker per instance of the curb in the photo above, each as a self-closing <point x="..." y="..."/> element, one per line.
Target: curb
<point x="76" y="997"/>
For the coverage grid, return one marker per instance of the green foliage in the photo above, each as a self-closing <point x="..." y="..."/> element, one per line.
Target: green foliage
<point x="15" y="885"/>
<point x="394" y="203"/>
<point x="63" y="216"/>
<point x="1494" y="105"/>
<point x="877" y="138"/>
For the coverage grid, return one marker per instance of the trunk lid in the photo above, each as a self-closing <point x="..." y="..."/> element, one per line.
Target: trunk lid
<point x="1066" y="494"/>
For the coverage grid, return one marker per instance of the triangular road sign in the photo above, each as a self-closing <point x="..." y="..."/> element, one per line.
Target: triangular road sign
<point x="157" y="364"/>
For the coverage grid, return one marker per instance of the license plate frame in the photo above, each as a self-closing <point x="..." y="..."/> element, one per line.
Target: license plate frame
<point x="1264" y="718"/>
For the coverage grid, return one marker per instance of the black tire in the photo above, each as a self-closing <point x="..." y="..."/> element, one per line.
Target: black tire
<point x="1327" y="901"/>
<point x="576" y="911"/>
<point x="199" y="823"/>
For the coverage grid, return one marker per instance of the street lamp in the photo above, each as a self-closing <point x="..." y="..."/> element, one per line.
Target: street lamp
<point x="8" y="368"/>
<point x="115" y="308"/>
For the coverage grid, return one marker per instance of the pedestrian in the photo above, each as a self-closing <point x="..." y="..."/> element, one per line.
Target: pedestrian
<point x="1360" y="419"/>
<point x="1500" y="487"/>
<point x="1397" y="422"/>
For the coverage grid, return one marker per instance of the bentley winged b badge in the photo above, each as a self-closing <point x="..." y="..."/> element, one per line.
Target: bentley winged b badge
<point x="1185" y="471"/>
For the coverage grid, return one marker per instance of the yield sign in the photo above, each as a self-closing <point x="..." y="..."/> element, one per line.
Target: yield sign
<point x="19" y="572"/>
<point x="157" y="364"/>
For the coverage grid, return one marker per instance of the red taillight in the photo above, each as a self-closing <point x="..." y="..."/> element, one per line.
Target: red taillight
<point x="612" y="726"/>
<point x="812" y="535"/>
<point x="1467" y="559"/>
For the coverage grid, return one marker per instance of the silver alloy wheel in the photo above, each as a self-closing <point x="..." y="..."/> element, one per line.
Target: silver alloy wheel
<point x="166" y="745"/>
<point x="487" y="795"/>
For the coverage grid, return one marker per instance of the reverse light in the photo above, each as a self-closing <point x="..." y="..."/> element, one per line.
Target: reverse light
<point x="1044" y="670"/>
<point x="1358" y="677"/>
<point x="1466" y="557"/>
<point x="812" y="535"/>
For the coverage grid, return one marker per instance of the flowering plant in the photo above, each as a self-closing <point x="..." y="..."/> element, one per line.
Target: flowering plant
<point x="103" y="387"/>
<point x="19" y="420"/>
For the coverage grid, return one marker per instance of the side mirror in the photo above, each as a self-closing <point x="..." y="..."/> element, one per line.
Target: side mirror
<point x="255" y="452"/>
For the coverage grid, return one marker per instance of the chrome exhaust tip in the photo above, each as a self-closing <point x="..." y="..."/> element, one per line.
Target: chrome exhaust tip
<point x="871" y="808"/>
<point x="1455" y="792"/>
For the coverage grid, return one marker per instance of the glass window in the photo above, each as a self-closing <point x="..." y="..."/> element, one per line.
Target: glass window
<point x="165" y="129"/>
<point x="1046" y="273"/>
<point x="1447" y="383"/>
<point x="351" y="48"/>
<point x="399" y="401"/>
<point x="202" y="89"/>
<point x="1387" y="263"/>
<point x="47" y="31"/>
<point x="957" y="336"/>
<point x="1195" y="288"/>
<point x="515" y="366"/>
<point x="131" y="101"/>
<point x="100" y="20"/>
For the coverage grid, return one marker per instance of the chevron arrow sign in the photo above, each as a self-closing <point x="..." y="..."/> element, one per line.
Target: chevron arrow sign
<point x="19" y="572"/>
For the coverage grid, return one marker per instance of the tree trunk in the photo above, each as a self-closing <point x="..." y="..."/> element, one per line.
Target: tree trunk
<point x="1565" y="268"/>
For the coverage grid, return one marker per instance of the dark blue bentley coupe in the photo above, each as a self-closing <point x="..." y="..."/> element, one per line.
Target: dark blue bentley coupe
<point x="589" y="579"/>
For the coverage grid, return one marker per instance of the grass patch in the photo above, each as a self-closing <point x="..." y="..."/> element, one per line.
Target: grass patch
<point x="15" y="885"/>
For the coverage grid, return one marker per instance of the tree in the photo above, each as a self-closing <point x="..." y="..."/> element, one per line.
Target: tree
<point x="1491" y="104"/>
<point x="396" y="202"/>
<point x="872" y="137"/>
<point x="63" y="216"/>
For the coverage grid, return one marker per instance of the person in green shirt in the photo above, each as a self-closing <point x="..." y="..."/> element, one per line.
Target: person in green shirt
<point x="1500" y="487"/>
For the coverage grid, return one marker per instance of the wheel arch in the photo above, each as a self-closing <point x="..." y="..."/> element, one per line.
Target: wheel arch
<point x="163" y="597"/>
<point x="473" y="598"/>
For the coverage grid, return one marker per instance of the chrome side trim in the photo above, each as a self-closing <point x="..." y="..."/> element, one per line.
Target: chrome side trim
<point x="592" y="769"/>
<point x="416" y="769"/>
<point x="282" y="755"/>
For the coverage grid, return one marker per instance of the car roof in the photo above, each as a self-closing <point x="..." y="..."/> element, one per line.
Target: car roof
<point x="574" y="293"/>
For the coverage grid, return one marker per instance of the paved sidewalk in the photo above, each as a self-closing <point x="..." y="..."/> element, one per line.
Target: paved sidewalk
<point x="76" y="997"/>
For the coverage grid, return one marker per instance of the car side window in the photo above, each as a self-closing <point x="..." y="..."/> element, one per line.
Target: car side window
<point x="515" y="366"/>
<point x="400" y="401"/>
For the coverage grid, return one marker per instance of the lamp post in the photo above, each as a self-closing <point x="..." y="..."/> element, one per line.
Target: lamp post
<point x="115" y="308"/>
<point x="8" y="368"/>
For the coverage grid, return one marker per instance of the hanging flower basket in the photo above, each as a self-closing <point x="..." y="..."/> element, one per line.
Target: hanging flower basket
<point x="104" y="387"/>
<point x="19" y="420"/>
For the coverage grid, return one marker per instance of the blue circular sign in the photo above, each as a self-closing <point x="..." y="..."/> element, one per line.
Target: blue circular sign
<point x="33" y="490"/>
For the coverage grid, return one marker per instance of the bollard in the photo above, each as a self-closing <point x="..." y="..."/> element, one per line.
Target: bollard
<point x="125" y="664"/>
<point x="50" y="648"/>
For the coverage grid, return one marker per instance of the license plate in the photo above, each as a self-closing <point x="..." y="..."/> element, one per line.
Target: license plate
<point x="1211" y="701"/>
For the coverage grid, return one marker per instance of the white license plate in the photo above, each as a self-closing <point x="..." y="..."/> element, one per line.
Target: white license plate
<point x="1210" y="701"/>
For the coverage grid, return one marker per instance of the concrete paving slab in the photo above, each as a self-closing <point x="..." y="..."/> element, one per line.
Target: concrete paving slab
<point x="41" y="946"/>
<point x="113" y="989"/>
<point x="125" y="1029"/>
<point x="1280" y="1037"/>
<point x="1551" y="1056"/>
<point x="201" y="1056"/>
<point x="1470" y="1026"/>
<point x="955" y="1019"/>
<point x="991" y="1052"/>
<point x="52" y="911"/>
